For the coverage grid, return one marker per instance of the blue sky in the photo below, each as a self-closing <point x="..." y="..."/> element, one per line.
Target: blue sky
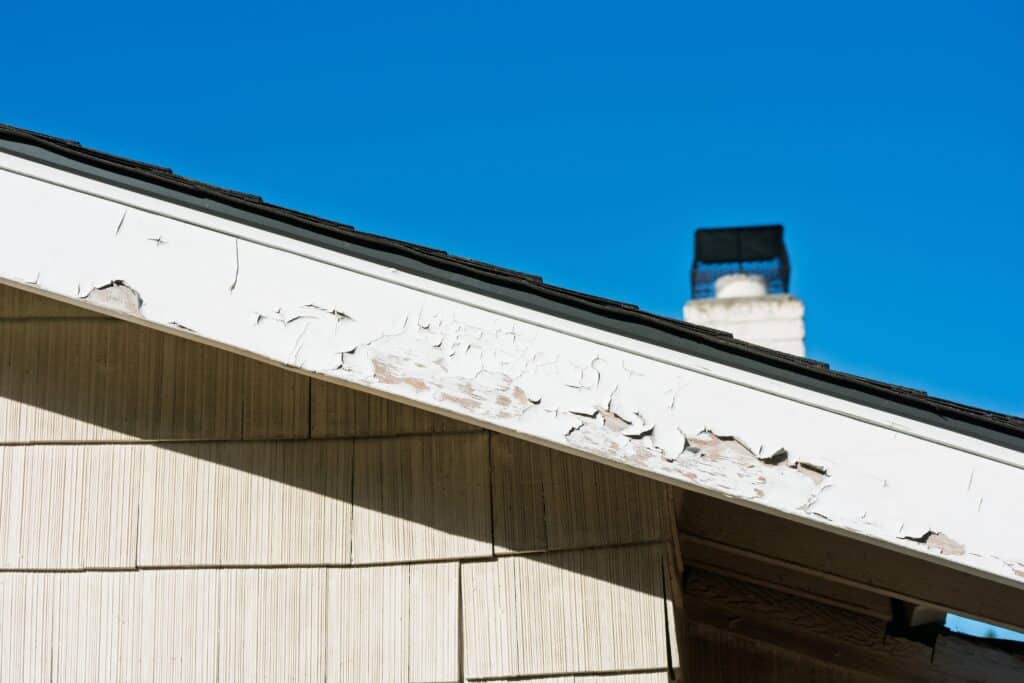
<point x="585" y="142"/>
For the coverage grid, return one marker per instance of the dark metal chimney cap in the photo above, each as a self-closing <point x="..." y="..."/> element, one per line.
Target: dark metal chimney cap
<point x="757" y="249"/>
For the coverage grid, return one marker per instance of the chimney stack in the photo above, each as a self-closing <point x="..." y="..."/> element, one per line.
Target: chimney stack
<point x="740" y="284"/>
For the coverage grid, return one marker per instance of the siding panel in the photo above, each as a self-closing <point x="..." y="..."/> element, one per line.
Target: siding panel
<point x="338" y="412"/>
<point x="179" y="625"/>
<point x="78" y="626"/>
<point x="26" y="625"/>
<point x="518" y="480"/>
<point x="271" y="625"/>
<point x="648" y="677"/>
<point x="577" y="503"/>
<point x="394" y="623"/>
<point x="421" y="498"/>
<point x="248" y="503"/>
<point x="590" y="504"/>
<point x="216" y="493"/>
<point x="433" y="622"/>
<point x="276" y="403"/>
<point x="96" y="635"/>
<point x="108" y="626"/>
<point x="68" y="507"/>
<point x="569" y="612"/>
<point x="104" y="380"/>
<point x="16" y="303"/>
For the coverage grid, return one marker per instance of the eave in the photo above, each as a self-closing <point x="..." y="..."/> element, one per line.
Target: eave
<point x="936" y="487"/>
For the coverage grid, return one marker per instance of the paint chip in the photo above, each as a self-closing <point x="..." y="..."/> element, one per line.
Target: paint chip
<point x="118" y="296"/>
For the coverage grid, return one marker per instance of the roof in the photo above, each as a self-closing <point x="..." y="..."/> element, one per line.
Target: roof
<point x="515" y="287"/>
<point x="595" y="378"/>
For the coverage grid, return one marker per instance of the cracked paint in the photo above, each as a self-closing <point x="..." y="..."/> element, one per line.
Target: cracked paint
<point x="234" y="281"/>
<point x="670" y="417"/>
<point x="118" y="296"/>
<point x="938" y="541"/>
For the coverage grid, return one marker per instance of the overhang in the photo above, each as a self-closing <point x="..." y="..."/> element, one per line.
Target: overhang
<point x="676" y="402"/>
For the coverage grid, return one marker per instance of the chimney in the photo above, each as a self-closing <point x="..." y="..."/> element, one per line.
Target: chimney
<point x="740" y="284"/>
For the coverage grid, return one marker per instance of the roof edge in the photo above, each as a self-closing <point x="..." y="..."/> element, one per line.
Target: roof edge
<point x="514" y="287"/>
<point x="658" y="412"/>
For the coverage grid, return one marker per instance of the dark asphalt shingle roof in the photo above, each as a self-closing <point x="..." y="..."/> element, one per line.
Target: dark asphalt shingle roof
<point x="521" y="288"/>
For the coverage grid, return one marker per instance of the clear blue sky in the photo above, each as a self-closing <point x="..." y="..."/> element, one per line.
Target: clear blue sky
<point x="586" y="141"/>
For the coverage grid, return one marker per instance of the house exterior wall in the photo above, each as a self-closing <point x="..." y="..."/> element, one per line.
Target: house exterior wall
<point x="170" y="512"/>
<point x="511" y="355"/>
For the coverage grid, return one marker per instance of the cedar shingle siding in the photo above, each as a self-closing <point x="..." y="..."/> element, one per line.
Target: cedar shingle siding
<point x="253" y="524"/>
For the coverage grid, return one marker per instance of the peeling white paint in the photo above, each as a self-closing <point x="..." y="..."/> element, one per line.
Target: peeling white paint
<point x="791" y="451"/>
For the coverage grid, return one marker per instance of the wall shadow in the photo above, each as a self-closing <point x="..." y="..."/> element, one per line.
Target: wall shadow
<point x="113" y="375"/>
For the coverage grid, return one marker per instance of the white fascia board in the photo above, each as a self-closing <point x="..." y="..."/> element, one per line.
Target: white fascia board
<point x="944" y="496"/>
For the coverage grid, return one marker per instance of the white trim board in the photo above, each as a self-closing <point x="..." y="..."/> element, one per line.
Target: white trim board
<point x="856" y="470"/>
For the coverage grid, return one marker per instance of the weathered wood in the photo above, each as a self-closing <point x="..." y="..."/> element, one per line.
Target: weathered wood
<point x="964" y="658"/>
<point x="276" y="403"/>
<point x="589" y="504"/>
<point x="899" y="480"/>
<point x="163" y="626"/>
<point x="723" y="657"/>
<point x="546" y="499"/>
<point x="801" y="626"/>
<point x="848" y="560"/>
<point x="567" y="612"/>
<point x="28" y="603"/>
<point x="339" y="411"/>
<point x="99" y="380"/>
<point x="96" y="634"/>
<point x="518" y="473"/>
<point x="19" y="304"/>
<point x="646" y="677"/>
<point x="102" y="380"/>
<point x="395" y="623"/>
<point x="105" y="380"/>
<point x="180" y="625"/>
<point x="675" y="612"/>
<point x="421" y="498"/>
<point x="69" y="506"/>
<point x="246" y="504"/>
<point x="105" y="626"/>
<point x="271" y="625"/>
<point x="727" y="561"/>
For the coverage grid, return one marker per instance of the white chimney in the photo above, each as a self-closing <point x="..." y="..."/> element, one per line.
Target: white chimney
<point x="740" y="280"/>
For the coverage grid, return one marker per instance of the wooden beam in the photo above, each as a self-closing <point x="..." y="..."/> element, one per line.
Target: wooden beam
<point x="747" y="535"/>
<point x="725" y="657"/>
<point x="724" y="560"/>
<point x="803" y="627"/>
<point x="979" y="659"/>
